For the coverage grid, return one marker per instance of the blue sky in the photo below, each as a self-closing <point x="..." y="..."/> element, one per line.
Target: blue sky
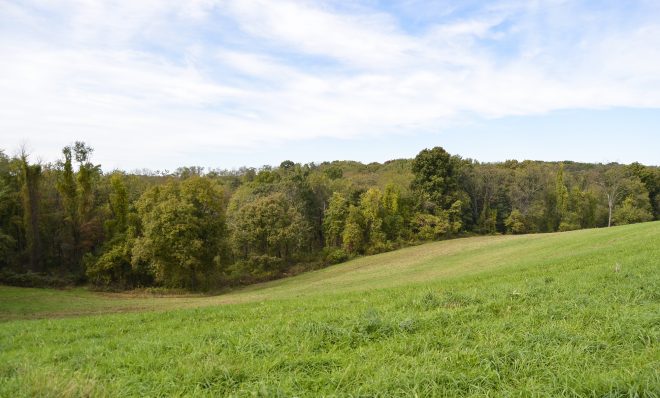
<point x="225" y="83"/>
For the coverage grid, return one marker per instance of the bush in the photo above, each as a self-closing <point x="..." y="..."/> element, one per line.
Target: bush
<point x="264" y="264"/>
<point x="568" y="226"/>
<point x="631" y="212"/>
<point x="335" y="255"/>
<point x="254" y="269"/>
<point x="31" y="279"/>
<point x="380" y="247"/>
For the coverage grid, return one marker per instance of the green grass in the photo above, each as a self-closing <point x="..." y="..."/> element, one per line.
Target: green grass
<point x="535" y="315"/>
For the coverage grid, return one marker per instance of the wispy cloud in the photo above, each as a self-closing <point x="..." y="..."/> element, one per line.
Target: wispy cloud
<point x="232" y="75"/>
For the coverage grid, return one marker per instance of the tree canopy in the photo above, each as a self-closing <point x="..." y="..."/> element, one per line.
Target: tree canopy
<point x="206" y="229"/>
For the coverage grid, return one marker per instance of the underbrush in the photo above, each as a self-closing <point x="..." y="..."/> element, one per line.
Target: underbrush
<point x="33" y="279"/>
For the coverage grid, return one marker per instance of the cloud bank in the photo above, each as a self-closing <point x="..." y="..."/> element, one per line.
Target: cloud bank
<point x="153" y="79"/>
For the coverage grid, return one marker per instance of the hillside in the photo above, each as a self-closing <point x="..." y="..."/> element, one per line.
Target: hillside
<point x="562" y="314"/>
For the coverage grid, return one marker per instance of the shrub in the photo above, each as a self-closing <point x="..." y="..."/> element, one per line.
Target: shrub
<point x="515" y="223"/>
<point x="335" y="256"/>
<point x="264" y="264"/>
<point x="31" y="279"/>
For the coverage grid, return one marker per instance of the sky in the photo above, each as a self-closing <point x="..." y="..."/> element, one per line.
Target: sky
<point x="160" y="84"/>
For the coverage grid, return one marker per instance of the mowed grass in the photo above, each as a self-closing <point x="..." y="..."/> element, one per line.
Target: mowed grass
<point x="535" y="315"/>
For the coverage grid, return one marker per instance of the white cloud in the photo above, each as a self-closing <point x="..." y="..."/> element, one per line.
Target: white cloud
<point x="364" y="40"/>
<point x="152" y="80"/>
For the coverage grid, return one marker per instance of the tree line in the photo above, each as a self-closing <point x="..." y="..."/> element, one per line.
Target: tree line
<point x="207" y="229"/>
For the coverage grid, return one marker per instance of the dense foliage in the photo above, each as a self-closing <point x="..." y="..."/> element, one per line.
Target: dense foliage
<point x="205" y="230"/>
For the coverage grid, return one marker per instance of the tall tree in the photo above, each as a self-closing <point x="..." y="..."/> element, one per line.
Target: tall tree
<point x="372" y="214"/>
<point x="612" y="182"/>
<point x="118" y="203"/>
<point x="31" y="177"/>
<point x="11" y="217"/>
<point x="270" y="225"/>
<point x="82" y="228"/>
<point x="184" y="232"/>
<point x="353" y="237"/>
<point x="527" y="188"/>
<point x="113" y="266"/>
<point x="650" y="177"/>
<point x="561" y="197"/>
<point x="66" y="185"/>
<point x="335" y="220"/>
<point x="483" y="184"/>
<point x="435" y="176"/>
<point x="393" y="221"/>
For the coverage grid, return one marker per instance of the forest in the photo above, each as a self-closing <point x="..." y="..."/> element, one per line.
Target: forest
<point x="70" y="222"/>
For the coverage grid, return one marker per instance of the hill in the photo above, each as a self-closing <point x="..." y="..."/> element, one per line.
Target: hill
<point x="562" y="314"/>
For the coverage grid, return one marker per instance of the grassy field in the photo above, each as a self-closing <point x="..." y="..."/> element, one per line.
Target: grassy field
<point x="535" y="315"/>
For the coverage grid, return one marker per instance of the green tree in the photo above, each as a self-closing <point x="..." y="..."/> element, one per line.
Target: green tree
<point x="581" y="210"/>
<point x="561" y="197"/>
<point x="393" y="220"/>
<point x="515" y="222"/>
<point x="630" y="211"/>
<point x="119" y="206"/>
<point x="612" y="182"/>
<point x="353" y="237"/>
<point x="430" y="227"/>
<point x="650" y="177"/>
<point x="486" y="198"/>
<point x="183" y="232"/>
<point x="435" y="172"/>
<point x="334" y="172"/>
<point x="372" y="216"/>
<point x="113" y="266"/>
<point x="82" y="229"/>
<point x="526" y="190"/>
<point x="31" y="179"/>
<point x="335" y="220"/>
<point x="454" y="217"/>
<point x="11" y="218"/>
<point x="67" y="188"/>
<point x="270" y="225"/>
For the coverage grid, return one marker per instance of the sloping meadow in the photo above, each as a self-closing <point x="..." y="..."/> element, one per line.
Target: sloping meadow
<point x="570" y="314"/>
